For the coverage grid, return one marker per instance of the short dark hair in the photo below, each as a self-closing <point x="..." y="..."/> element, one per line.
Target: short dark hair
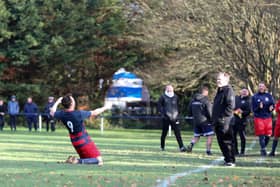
<point x="203" y="88"/>
<point x="66" y="101"/>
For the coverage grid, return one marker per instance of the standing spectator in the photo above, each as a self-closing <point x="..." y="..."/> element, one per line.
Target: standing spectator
<point x="50" y="121"/>
<point x="168" y="108"/>
<point x="276" y="130"/>
<point x="222" y="113"/>
<point x="242" y="111"/>
<point x="3" y="111"/>
<point x="201" y="110"/>
<point x="263" y="105"/>
<point x="31" y="113"/>
<point x="13" y="110"/>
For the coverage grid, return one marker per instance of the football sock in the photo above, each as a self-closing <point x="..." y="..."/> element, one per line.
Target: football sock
<point x="262" y="142"/>
<point x="266" y="139"/>
<point x="274" y="145"/>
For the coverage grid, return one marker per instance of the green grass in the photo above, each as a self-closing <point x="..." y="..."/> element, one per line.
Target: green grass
<point x="131" y="158"/>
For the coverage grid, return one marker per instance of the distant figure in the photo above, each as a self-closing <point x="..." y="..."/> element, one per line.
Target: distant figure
<point x="3" y="111"/>
<point x="168" y="108"/>
<point x="276" y="130"/>
<point x="200" y="109"/>
<point x="31" y="114"/>
<point x="50" y="121"/>
<point x="222" y="113"/>
<point x="242" y="111"/>
<point x="74" y="122"/>
<point x="13" y="110"/>
<point x="263" y="105"/>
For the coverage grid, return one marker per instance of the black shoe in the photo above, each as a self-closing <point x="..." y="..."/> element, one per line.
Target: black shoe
<point x="208" y="153"/>
<point x="183" y="149"/>
<point x="272" y="154"/>
<point x="162" y="149"/>
<point x="189" y="148"/>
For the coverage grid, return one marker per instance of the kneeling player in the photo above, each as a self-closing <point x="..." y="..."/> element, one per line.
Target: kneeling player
<point x="74" y="122"/>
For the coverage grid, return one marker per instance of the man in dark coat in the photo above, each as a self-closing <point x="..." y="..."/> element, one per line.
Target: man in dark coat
<point x="223" y="106"/>
<point x="31" y="113"/>
<point x="168" y="108"/>
<point x="242" y="111"/>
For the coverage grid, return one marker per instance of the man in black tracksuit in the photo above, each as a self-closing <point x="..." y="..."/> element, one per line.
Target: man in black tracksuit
<point x="242" y="111"/>
<point x="223" y="106"/>
<point x="168" y="108"/>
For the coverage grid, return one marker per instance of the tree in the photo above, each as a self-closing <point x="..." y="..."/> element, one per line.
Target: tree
<point x="52" y="47"/>
<point x="249" y="39"/>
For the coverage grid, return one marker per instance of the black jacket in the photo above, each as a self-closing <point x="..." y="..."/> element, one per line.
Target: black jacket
<point x="3" y="108"/>
<point x="223" y="105"/>
<point x="200" y="108"/>
<point x="168" y="106"/>
<point x="244" y="103"/>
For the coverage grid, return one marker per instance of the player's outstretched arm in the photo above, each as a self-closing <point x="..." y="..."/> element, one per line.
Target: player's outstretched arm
<point x="54" y="107"/>
<point x="100" y="110"/>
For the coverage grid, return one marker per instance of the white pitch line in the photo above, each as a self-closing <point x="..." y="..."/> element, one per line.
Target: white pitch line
<point x="172" y="179"/>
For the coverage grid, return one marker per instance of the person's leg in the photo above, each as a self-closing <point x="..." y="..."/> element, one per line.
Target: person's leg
<point x="274" y="146"/>
<point x="88" y="161"/>
<point x="275" y="140"/>
<point x="13" y="122"/>
<point x="207" y="130"/>
<point x="194" y="140"/>
<point x="209" y="144"/>
<point x="219" y="135"/>
<point x="90" y="150"/>
<point x="225" y="140"/>
<point x="10" y="122"/>
<point x="229" y="145"/>
<point x="268" y="130"/>
<point x="52" y="125"/>
<point x="165" y="125"/>
<point x="177" y="131"/>
<point x="35" y="122"/>
<point x="1" y="123"/>
<point x="259" y="131"/>
<point x="262" y="145"/>
<point x="47" y="124"/>
<point x="266" y="140"/>
<point x="242" y="134"/>
<point x="196" y="136"/>
<point x="235" y="142"/>
<point x="29" y="123"/>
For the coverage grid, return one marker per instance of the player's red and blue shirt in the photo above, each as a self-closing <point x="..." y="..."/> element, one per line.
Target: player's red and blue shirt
<point x="267" y="100"/>
<point x="74" y="122"/>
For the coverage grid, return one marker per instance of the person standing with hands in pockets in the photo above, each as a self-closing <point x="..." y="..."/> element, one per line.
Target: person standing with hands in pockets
<point x="168" y="108"/>
<point x="222" y="113"/>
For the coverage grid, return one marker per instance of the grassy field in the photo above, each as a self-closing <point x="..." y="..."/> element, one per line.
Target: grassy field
<point x="131" y="158"/>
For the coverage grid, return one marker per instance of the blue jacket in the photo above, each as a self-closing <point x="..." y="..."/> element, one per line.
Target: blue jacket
<point x="30" y="108"/>
<point x="13" y="107"/>
<point x="267" y="100"/>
